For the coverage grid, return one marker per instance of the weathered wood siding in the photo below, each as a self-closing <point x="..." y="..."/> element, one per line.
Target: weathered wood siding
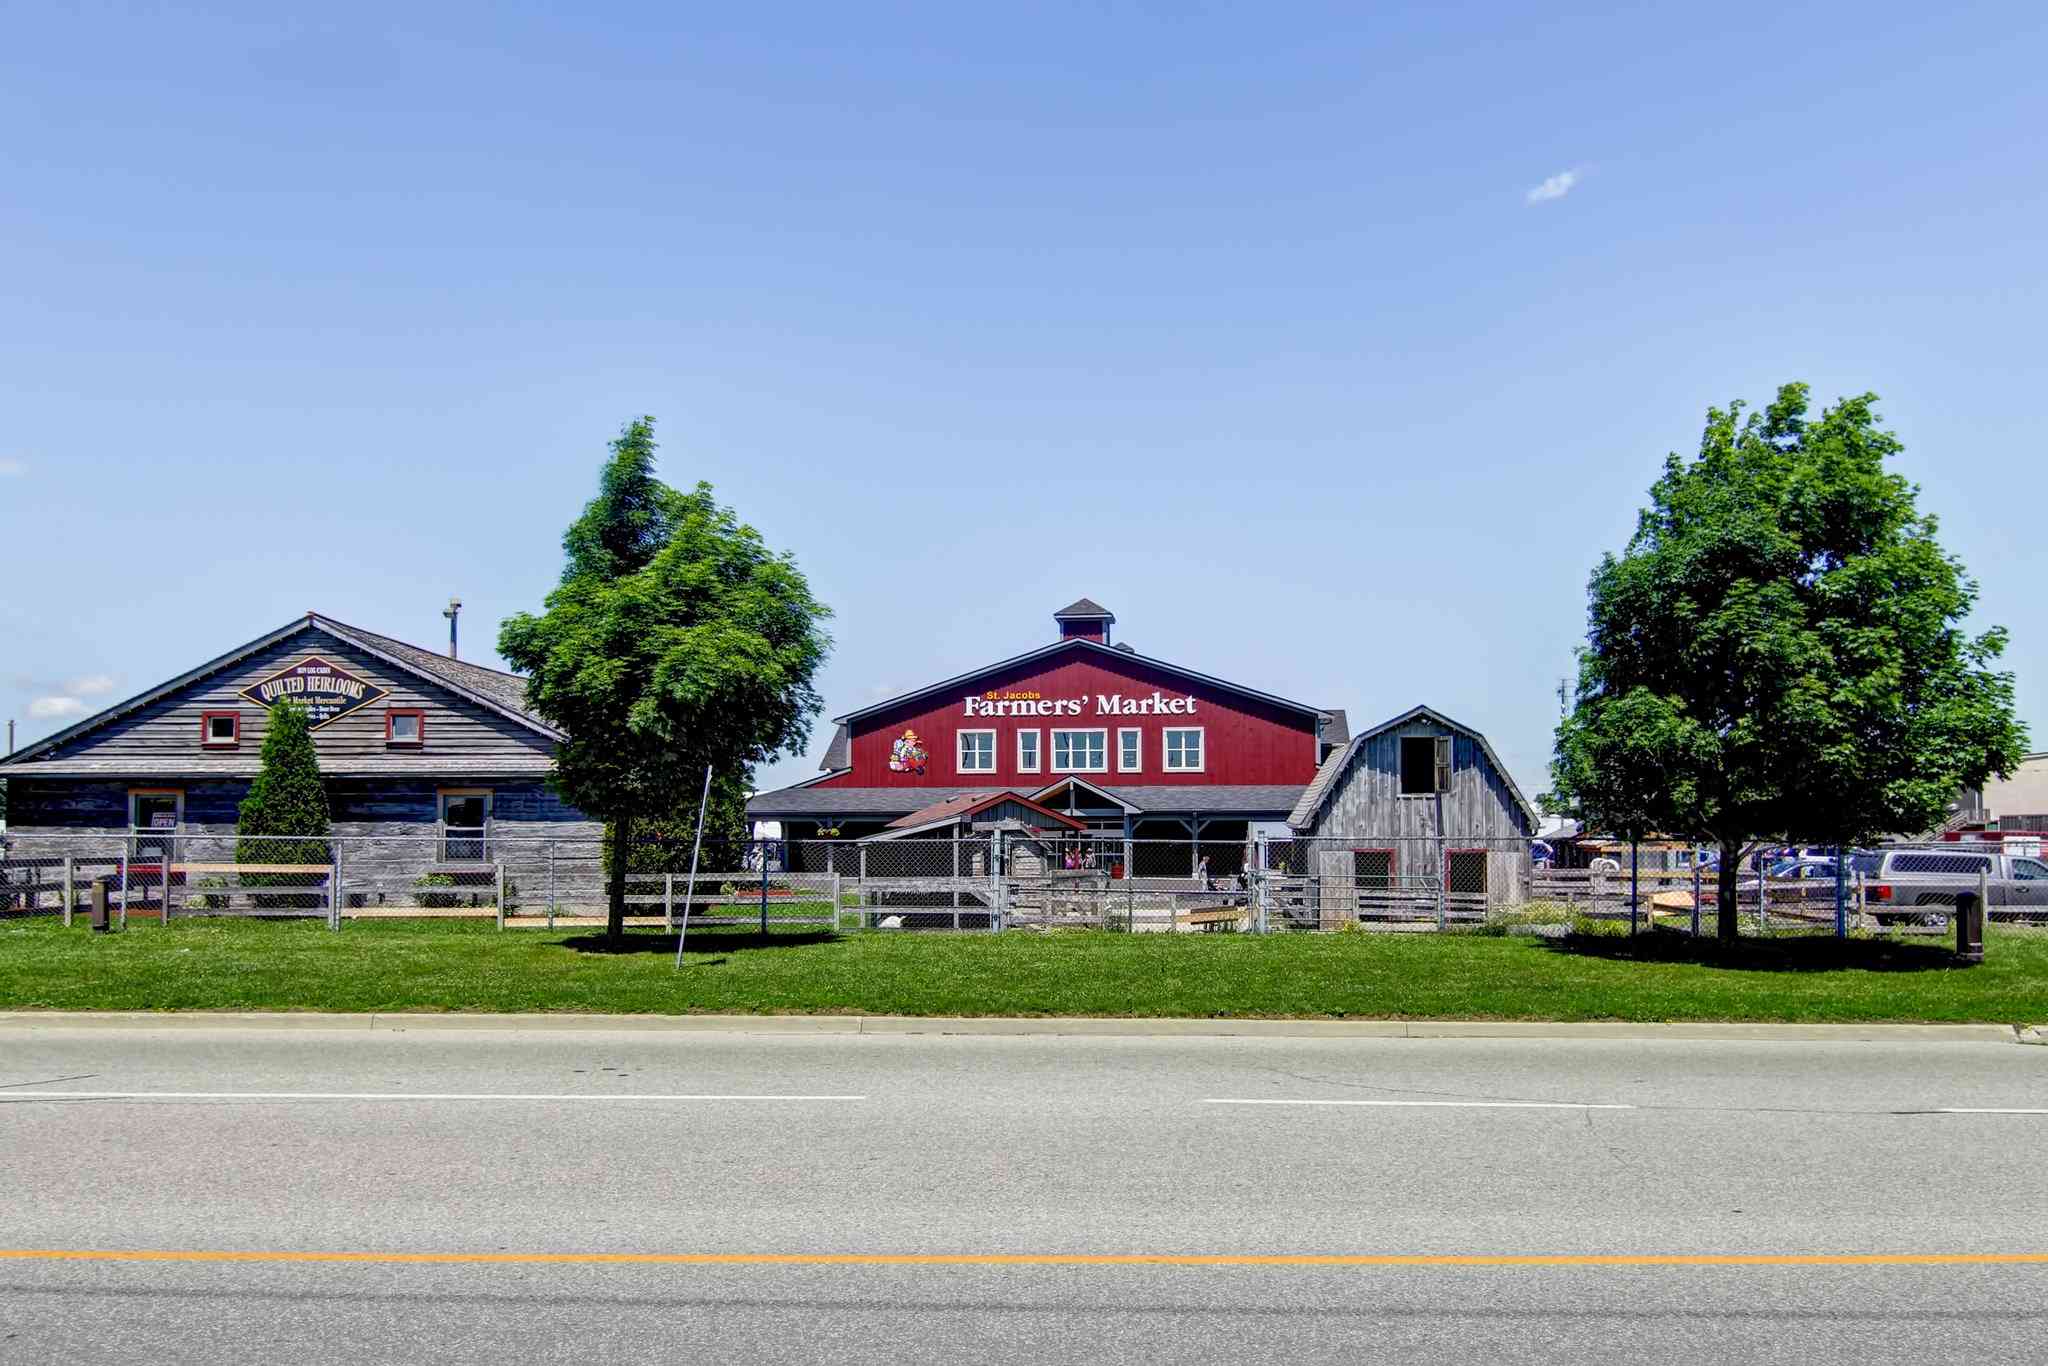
<point x="1015" y="811"/>
<point x="522" y="809"/>
<point x="456" y="728"/>
<point x="1366" y="810"/>
<point x="375" y="789"/>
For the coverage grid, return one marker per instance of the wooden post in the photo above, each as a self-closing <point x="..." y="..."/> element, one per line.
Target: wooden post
<point x="1635" y="884"/>
<point x="1841" y="893"/>
<point x="498" y="871"/>
<point x="551" y="884"/>
<point x="998" y="886"/>
<point x="764" y="889"/>
<point x="334" y="887"/>
<point x="1763" y="894"/>
<point x="835" y="899"/>
<point x="1695" y="891"/>
<point x="668" y="900"/>
<point x="70" y="886"/>
<point x="956" y="877"/>
<point x="124" y="891"/>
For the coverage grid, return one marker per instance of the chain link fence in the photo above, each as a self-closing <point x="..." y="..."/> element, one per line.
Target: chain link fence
<point x="1013" y="879"/>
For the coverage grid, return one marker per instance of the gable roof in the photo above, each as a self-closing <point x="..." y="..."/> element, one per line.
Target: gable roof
<point x="1078" y="643"/>
<point x="1075" y="780"/>
<point x="838" y="754"/>
<point x="1327" y="777"/>
<point x="1084" y="609"/>
<point x="503" y="692"/>
<point x="490" y="689"/>
<point x="966" y="806"/>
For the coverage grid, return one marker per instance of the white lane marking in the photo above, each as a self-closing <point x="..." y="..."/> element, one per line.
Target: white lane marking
<point x="388" y="1095"/>
<point x="1971" y="1110"/>
<point x="1434" y="1104"/>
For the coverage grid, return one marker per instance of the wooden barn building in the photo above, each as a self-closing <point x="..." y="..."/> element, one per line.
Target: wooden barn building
<point x="411" y="743"/>
<point x="1134" y="749"/>
<point x="1419" y="788"/>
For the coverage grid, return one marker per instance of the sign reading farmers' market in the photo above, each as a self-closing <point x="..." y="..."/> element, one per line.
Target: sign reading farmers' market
<point x="327" y="691"/>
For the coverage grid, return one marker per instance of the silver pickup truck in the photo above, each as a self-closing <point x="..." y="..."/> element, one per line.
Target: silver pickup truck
<point x="1922" y="884"/>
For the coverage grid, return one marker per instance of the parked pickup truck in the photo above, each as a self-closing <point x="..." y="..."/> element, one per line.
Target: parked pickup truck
<point x="1922" y="884"/>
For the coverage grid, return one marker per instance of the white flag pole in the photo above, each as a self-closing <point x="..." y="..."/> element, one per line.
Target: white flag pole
<point x="690" y="896"/>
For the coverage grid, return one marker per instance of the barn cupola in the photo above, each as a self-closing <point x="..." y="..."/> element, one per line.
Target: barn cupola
<point x="1085" y="619"/>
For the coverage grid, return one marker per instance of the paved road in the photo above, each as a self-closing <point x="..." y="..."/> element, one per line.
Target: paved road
<point x="721" y="1145"/>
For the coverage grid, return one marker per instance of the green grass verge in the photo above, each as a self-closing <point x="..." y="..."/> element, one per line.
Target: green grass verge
<point x="205" y="964"/>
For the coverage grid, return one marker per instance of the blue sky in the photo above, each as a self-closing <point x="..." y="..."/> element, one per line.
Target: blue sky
<point x="1255" y="323"/>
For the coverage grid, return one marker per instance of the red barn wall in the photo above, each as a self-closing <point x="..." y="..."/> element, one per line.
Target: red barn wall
<point x="1245" y="741"/>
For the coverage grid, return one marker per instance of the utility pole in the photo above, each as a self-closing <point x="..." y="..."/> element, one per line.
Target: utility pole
<point x="452" y="611"/>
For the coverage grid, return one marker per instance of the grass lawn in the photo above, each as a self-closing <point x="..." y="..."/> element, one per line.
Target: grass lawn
<point x="201" y="964"/>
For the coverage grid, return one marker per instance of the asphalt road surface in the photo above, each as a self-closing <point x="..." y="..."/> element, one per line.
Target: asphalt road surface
<point x="499" y="1195"/>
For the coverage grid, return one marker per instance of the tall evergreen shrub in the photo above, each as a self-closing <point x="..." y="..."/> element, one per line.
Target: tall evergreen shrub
<point x="286" y="800"/>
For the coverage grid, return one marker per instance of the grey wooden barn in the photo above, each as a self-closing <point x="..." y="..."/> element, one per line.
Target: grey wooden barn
<point x="1413" y="800"/>
<point x="415" y="747"/>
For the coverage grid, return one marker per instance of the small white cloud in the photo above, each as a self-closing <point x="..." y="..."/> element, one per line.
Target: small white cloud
<point x="1557" y="187"/>
<point x="12" y="469"/>
<point x="92" y="685"/>
<point x="49" y="708"/>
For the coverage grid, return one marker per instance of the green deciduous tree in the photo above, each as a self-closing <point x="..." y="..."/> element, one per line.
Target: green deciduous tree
<point x="675" y="639"/>
<point x="285" y="817"/>
<point x="1779" y="652"/>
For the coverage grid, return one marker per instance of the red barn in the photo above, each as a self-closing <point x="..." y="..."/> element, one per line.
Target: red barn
<point x="1136" y="748"/>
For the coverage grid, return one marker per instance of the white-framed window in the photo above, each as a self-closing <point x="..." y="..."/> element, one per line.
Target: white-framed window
<point x="1080" y="751"/>
<point x="1130" y="750"/>
<point x="154" y="815"/>
<point x="1183" y="745"/>
<point x="465" y="823"/>
<point x="220" y="729"/>
<point x="977" y="751"/>
<point x="1028" y="758"/>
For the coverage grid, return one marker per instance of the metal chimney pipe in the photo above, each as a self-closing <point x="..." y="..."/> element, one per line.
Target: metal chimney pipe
<point x="452" y="611"/>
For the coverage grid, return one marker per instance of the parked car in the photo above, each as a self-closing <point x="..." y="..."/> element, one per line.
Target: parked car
<point x="1923" y="884"/>
<point x="1790" y="883"/>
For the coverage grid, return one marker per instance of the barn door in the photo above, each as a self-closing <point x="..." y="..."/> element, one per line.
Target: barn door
<point x="1465" y="889"/>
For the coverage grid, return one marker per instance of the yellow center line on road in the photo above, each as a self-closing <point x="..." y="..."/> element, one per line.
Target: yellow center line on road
<point x="1040" y="1258"/>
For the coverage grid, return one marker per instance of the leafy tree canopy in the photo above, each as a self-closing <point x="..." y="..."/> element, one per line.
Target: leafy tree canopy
<point x="675" y="639"/>
<point x="1779" y="652"/>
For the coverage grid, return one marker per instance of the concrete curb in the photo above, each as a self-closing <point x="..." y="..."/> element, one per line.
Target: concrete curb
<point x="1021" y="1027"/>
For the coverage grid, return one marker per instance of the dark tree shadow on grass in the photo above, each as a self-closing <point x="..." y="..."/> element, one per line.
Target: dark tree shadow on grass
<point x="700" y="942"/>
<point x="1817" y="953"/>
